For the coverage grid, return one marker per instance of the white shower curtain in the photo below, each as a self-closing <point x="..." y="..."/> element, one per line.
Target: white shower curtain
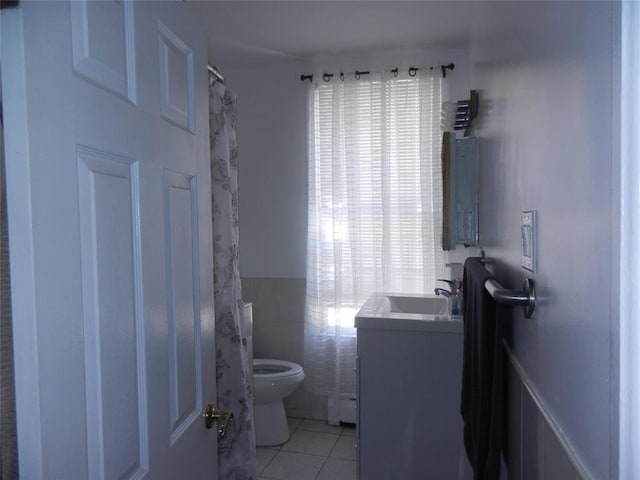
<point x="237" y="450"/>
<point x="375" y="209"/>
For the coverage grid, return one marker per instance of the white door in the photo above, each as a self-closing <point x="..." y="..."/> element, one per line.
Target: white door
<point x="106" y="127"/>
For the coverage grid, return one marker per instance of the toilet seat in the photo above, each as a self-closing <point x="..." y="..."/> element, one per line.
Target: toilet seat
<point x="272" y="369"/>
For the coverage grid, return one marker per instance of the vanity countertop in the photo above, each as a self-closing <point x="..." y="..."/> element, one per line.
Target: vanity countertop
<point x="414" y="312"/>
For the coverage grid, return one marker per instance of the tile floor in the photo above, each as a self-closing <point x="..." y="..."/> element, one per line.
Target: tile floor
<point x="315" y="451"/>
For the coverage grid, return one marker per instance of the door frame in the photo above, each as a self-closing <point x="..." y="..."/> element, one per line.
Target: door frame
<point x="19" y="213"/>
<point x="628" y="418"/>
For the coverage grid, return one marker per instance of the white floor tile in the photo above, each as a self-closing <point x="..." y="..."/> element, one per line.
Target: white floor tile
<point x="293" y="466"/>
<point x="314" y="443"/>
<point x="336" y="469"/>
<point x="264" y="456"/>
<point x="345" y="448"/>
<point x="293" y="423"/>
<point x="315" y="451"/>
<point x="320" y="426"/>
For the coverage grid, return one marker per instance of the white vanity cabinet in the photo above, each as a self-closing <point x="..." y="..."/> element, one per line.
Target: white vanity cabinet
<point x="409" y="377"/>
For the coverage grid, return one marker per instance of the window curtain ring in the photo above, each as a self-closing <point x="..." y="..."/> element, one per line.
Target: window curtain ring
<point x="413" y="71"/>
<point x="327" y="76"/>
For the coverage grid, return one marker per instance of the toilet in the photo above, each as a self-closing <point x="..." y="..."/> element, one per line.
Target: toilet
<point x="273" y="381"/>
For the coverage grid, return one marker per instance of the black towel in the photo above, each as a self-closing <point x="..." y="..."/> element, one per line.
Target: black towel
<point x="482" y="377"/>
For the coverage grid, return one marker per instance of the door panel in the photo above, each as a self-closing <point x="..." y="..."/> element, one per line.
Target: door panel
<point x="110" y="238"/>
<point x="176" y="79"/>
<point x="102" y="35"/>
<point x="113" y="325"/>
<point x="181" y="224"/>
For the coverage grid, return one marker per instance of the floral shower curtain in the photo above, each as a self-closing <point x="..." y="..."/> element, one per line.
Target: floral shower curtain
<point x="236" y="451"/>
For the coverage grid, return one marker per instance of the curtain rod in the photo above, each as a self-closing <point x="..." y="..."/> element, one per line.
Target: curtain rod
<point x="412" y="73"/>
<point x="216" y="73"/>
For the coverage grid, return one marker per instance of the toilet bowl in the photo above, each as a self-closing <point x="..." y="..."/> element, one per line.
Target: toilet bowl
<point x="273" y="381"/>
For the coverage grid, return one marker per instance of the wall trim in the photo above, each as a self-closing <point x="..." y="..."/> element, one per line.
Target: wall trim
<point x="628" y="332"/>
<point x="618" y="261"/>
<point x="557" y="430"/>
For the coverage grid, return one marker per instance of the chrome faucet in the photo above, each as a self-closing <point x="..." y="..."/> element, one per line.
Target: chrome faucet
<point x="443" y="292"/>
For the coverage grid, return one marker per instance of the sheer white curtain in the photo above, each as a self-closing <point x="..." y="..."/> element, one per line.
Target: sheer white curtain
<point x="375" y="208"/>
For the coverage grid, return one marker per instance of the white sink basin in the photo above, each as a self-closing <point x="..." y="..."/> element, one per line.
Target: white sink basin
<point x="423" y="305"/>
<point x="399" y="311"/>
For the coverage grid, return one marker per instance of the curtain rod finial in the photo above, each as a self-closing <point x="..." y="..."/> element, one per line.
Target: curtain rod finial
<point x="444" y="68"/>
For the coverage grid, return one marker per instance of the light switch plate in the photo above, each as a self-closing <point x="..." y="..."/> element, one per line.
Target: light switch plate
<point x="529" y="232"/>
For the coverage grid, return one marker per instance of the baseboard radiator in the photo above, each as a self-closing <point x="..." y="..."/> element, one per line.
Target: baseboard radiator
<point x="342" y="410"/>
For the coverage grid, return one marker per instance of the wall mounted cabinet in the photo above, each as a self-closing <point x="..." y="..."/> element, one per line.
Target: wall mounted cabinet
<point x="461" y="171"/>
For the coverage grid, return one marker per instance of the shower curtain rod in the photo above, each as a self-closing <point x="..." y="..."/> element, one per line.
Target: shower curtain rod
<point x="216" y="73"/>
<point x="412" y="73"/>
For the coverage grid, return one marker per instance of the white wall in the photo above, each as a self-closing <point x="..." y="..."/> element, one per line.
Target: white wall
<point x="547" y="78"/>
<point x="273" y="173"/>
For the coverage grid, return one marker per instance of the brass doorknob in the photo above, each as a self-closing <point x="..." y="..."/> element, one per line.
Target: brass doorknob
<point x="212" y="414"/>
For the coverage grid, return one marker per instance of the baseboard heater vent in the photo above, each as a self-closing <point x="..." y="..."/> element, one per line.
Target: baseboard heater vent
<point x="343" y="410"/>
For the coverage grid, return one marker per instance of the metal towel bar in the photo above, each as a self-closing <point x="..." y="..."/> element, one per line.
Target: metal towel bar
<point x="515" y="298"/>
<point x="523" y="298"/>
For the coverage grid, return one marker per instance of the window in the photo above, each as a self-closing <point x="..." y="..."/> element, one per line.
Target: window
<point x="375" y="196"/>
